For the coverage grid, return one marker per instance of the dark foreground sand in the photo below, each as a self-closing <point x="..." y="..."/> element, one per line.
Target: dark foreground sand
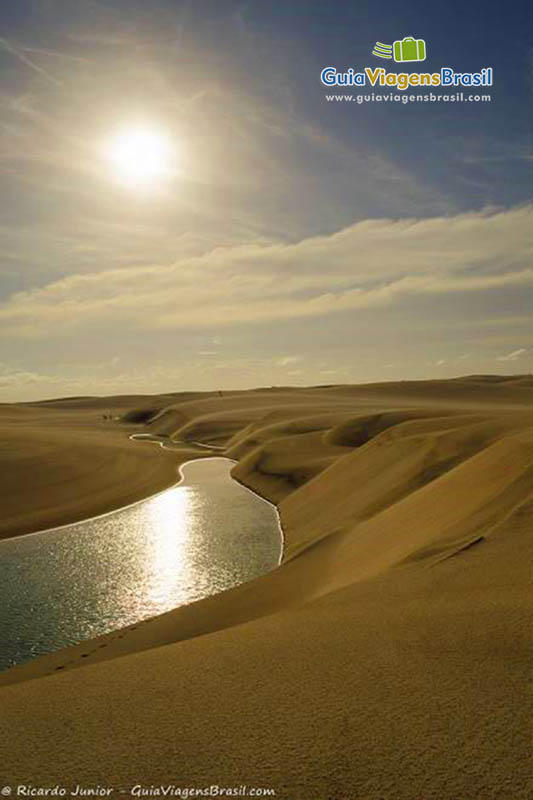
<point x="390" y="655"/>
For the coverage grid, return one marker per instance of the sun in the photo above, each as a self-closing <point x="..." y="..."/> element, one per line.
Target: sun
<point x="140" y="156"/>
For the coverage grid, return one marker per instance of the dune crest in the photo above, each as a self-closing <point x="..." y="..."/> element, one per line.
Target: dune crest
<point x="408" y="518"/>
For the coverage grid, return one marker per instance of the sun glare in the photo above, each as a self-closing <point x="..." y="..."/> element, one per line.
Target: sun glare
<point x="141" y="157"/>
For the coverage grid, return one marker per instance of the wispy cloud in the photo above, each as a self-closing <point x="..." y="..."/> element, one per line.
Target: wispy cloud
<point x="288" y="360"/>
<point x="514" y="356"/>
<point x="20" y="54"/>
<point x="14" y="378"/>
<point x="61" y="54"/>
<point x="373" y="264"/>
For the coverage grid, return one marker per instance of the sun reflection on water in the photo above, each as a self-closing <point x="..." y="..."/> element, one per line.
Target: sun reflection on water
<point x="170" y="517"/>
<point x="191" y="541"/>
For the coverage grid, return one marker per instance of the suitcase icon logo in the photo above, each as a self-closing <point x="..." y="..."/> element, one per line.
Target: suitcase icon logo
<point x="409" y="49"/>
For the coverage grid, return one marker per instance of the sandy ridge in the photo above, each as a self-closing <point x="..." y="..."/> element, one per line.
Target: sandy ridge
<point x="388" y="656"/>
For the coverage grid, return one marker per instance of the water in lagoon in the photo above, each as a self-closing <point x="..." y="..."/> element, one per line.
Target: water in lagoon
<point x="73" y="583"/>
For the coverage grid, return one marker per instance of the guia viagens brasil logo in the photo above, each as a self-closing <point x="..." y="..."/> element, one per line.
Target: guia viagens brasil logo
<point x="406" y="50"/>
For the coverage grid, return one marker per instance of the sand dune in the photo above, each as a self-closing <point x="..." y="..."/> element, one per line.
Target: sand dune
<point x="388" y="657"/>
<point x="61" y="462"/>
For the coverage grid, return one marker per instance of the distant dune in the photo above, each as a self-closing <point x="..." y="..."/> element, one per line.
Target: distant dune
<point x="388" y="657"/>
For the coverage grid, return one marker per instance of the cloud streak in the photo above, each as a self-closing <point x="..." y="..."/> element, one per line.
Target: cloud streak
<point x="20" y="54"/>
<point x="369" y="265"/>
<point x="514" y="356"/>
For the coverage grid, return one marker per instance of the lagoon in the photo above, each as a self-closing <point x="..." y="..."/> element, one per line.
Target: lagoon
<point x="68" y="584"/>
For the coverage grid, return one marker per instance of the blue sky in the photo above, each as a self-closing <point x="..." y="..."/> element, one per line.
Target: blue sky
<point x="297" y="240"/>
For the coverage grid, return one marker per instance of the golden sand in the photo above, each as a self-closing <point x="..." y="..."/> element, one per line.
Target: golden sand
<point x="388" y="657"/>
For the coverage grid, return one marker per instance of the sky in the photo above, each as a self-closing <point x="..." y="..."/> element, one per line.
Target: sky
<point x="288" y="239"/>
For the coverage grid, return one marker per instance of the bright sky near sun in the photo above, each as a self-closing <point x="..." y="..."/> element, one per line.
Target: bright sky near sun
<point x="140" y="156"/>
<point x="184" y="209"/>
